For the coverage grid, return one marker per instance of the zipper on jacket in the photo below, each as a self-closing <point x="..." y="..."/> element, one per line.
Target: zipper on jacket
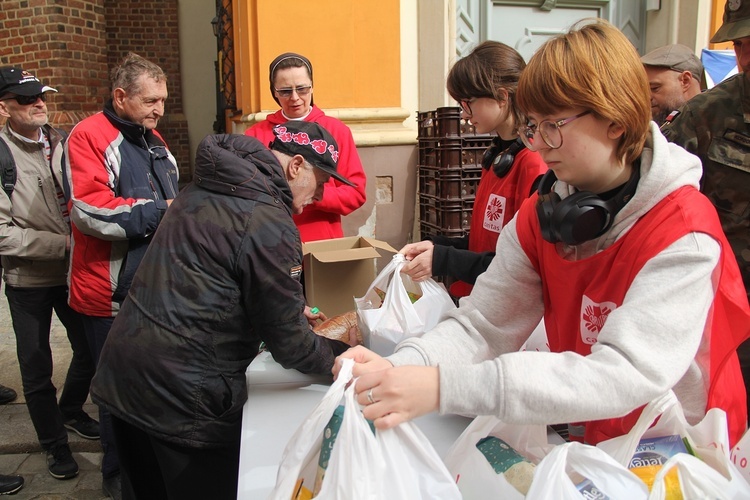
<point x="45" y="197"/>
<point x="153" y="188"/>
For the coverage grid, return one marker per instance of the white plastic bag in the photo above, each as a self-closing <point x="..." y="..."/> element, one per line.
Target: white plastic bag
<point x="475" y="476"/>
<point x="397" y="464"/>
<point x="741" y="455"/>
<point x="552" y="482"/>
<point x="356" y="468"/>
<point x="697" y="480"/>
<point x="709" y="439"/>
<point x="414" y="470"/>
<point x="300" y="457"/>
<point x="386" y="322"/>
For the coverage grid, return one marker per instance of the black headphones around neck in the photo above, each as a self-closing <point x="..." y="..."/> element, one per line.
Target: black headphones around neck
<point x="581" y="216"/>
<point x="501" y="160"/>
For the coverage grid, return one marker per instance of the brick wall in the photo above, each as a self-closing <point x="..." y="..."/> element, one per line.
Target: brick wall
<point x="63" y="44"/>
<point x="72" y="44"/>
<point x="150" y="29"/>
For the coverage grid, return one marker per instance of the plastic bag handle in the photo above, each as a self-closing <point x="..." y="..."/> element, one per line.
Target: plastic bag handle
<point x="393" y="267"/>
<point x="697" y="479"/>
<point x="650" y="413"/>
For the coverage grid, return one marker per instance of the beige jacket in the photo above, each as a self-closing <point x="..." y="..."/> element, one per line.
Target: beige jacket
<point x="32" y="229"/>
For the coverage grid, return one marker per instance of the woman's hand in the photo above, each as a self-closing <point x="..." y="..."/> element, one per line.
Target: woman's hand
<point x="419" y="255"/>
<point x="313" y="318"/>
<point x="399" y="394"/>
<point x="365" y="361"/>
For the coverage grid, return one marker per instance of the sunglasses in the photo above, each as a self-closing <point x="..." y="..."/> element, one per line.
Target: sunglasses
<point x="287" y="93"/>
<point x="25" y="100"/>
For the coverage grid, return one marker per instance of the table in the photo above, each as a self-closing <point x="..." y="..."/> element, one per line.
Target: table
<point x="277" y="403"/>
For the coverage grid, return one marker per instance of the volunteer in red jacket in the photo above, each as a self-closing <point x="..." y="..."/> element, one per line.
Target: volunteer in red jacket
<point x="291" y="78"/>
<point x="618" y="250"/>
<point x="484" y="83"/>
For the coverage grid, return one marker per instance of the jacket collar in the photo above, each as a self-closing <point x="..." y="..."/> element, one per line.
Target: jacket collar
<point x="133" y="132"/>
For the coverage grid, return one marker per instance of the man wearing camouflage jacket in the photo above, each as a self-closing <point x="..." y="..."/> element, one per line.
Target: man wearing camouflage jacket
<point x="715" y="126"/>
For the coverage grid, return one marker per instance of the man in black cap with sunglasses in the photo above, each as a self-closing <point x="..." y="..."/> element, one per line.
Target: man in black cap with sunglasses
<point x="35" y="249"/>
<point x="222" y="276"/>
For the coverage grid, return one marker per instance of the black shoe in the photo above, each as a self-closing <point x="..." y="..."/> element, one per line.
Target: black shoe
<point x="10" y="484"/>
<point x="112" y="487"/>
<point x="7" y="395"/>
<point x="84" y="426"/>
<point x="61" y="463"/>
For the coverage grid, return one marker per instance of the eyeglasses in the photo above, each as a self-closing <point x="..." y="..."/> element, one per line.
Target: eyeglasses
<point x="549" y="130"/>
<point x="25" y="100"/>
<point x="466" y="105"/>
<point x="287" y="93"/>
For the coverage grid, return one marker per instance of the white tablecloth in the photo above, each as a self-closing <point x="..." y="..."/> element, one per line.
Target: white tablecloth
<point x="278" y="401"/>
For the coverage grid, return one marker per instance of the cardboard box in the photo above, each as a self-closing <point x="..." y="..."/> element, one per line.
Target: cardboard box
<point x="338" y="270"/>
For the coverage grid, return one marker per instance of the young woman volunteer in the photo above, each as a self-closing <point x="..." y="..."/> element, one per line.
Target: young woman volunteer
<point x="618" y="250"/>
<point x="484" y="83"/>
<point x="291" y="77"/>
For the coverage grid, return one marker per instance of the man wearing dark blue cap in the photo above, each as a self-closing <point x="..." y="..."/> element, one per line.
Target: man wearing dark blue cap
<point x="35" y="249"/>
<point x="221" y="276"/>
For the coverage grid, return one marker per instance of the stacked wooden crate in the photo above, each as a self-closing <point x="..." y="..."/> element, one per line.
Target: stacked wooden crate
<point x="450" y="167"/>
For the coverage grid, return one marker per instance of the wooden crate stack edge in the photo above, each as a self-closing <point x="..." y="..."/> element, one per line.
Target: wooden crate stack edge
<point x="450" y="167"/>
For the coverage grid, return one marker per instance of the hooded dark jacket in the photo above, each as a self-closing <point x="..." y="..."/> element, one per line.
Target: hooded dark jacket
<point x="221" y="275"/>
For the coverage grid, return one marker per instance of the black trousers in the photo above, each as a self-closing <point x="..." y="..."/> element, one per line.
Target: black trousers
<point x="31" y="313"/>
<point x="154" y="468"/>
<point x="97" y="330"/>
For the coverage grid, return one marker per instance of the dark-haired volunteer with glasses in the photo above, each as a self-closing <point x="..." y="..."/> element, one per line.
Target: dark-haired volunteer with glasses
<point x="619" y="252"/>
<point x="35" y="249"/>
<point x="291" y="77"/>
<point x="484" y="83"/>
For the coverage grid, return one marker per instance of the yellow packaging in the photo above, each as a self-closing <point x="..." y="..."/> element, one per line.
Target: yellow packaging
<point x="651" y="454"/>
<point x="300" y="492"/>
<point x="648" y="473"/>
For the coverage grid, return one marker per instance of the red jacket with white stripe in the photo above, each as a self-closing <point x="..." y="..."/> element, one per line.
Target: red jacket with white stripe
<point x="119" y="176"/>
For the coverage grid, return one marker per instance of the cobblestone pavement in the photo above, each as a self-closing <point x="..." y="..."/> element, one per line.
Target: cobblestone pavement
<point x="20" y="452"/>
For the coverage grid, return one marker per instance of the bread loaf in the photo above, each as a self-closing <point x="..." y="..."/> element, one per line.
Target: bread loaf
<point x="337" y="327"/>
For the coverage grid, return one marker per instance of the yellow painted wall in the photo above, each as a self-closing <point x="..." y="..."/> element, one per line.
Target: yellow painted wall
<point x="354" y="47"/>
<point x="717" y="15"/>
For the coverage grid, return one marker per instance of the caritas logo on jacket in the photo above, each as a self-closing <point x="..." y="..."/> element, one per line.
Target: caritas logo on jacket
<point x="593" y="317"/>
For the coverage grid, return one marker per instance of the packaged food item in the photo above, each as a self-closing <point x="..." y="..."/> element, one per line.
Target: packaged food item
<point x="337" y="327"/>
<point x="329" y="439"/>
<point x="651" y="454"/>
<point x="589" y="491"/>
<point x="300" y="492"/>
<point x="518" y="471"/>
<point x="647" y="474"/>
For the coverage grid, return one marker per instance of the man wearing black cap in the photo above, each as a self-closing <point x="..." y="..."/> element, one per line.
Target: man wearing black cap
<point x="715" y="126"/>
<point x="221" y="276"/>
<point x="35" y="248"/>
<point x="674" y="75"/>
